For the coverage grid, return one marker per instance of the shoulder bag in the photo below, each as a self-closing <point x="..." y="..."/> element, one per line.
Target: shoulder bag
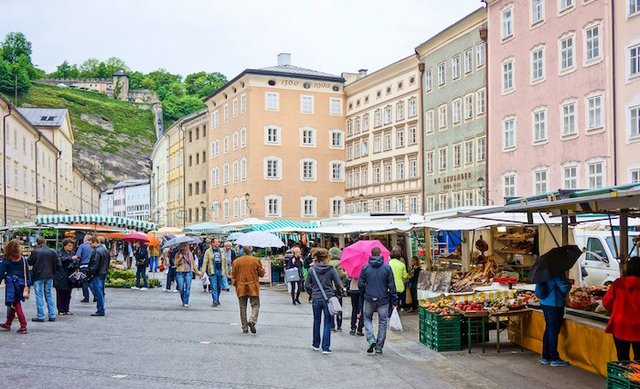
<point x="332" y="303"/>
<point x="292" y="274"/>
<point x="26" y="290"/>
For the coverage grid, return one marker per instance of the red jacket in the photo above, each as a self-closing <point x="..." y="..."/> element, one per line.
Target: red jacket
<point x="623" y="301"/>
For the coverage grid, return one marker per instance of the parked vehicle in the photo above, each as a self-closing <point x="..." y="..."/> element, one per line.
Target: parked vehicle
<point x="599" y="263"/>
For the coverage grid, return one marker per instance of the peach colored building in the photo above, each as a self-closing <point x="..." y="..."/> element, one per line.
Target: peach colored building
<point x="627" y="88"/>
<point x="197" y="166"/>
<point x="277" y="144"/>
<point x="383" y="140"/>
<point x="550" y="96"/>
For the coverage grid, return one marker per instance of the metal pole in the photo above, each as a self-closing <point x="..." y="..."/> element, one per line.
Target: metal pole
<point x="624" y="239"/>
<point x="4" y="165"/>
<point x="565" y="227"/>
<point x="57" y="185"/>
<point x="37" y="185"/>
<point x="184" y="179"/>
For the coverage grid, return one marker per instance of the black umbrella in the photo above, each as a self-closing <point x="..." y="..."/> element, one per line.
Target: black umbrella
<point x="554" y="262"/>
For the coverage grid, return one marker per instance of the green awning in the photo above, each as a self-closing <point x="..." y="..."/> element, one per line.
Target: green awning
<point x="283" y="225"/>
<point x="102" y="220"/>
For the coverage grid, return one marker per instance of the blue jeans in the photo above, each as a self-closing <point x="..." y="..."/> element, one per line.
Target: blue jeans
<point x="319" y="306"/>
<point x="383" y="317"/>
<point x="171" y="275"/>
<point x="553" y="317"/>
<point x="42" y="289"/>
<point x="216" y="286"/>
<point x="153" y="264"/>
<point x="97" y="288"/>
<point x="183" y="279"/>
<point x="225" y="282"/>
<point x="141" y="272"/>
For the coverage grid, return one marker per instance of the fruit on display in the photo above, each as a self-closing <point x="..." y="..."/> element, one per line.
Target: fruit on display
<point x="527" y="297"/>
<point x="475" y="305"/>
<point x="441" y="307"/>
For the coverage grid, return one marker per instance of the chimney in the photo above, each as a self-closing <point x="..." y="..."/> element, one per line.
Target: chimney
<point x="362" y="73"/>
<point x="284" y="59"/>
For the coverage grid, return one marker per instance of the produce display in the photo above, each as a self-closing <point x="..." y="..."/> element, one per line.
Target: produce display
<point x="442" y="307"/>
<point x="634" y="372"/>
<point x="587" y="299"/>
<point x="478" y="275"/>
<point x="527" y="297"/>
<point x="475" y="305"/>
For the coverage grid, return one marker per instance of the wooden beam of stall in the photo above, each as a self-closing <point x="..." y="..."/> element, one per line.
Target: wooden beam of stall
<point x="565" y="227"/>
<point x="624" y="239"/>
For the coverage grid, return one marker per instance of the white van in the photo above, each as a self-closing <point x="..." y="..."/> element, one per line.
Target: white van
<point x="598" y="258"/>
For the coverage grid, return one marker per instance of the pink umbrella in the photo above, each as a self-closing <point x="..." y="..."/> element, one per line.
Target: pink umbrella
<point x="356" y="256"/>
<point x="136" y="237"/>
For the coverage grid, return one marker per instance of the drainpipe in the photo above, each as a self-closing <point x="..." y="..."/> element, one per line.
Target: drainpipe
<point x="613" y="99"/>
<point x="37" y="184"/>
<point x="421" y="141"/>
<point x="81" y="181"/>
<point x="484" y="37"/>
<point x="57" y="186"/>
<point x="184" y="179"/>
<point x="4" y="164"/>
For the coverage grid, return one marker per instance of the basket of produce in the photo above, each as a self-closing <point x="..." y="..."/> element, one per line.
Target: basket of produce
<point x="623" y="375"/>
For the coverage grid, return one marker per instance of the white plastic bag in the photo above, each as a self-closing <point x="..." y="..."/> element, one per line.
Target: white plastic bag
<point x="205" y="280"/>
<point x="394" y="321"/>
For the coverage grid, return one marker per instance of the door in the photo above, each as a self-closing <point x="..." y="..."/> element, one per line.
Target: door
<point x="596" y="262"/>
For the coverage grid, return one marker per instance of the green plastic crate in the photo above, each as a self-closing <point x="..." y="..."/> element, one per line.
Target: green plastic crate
<point x="616" y="378"/>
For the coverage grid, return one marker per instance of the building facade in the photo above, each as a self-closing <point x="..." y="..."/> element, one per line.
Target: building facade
<point x="455" y="114"/>
<point x="549" y="87"/>
<point x="383" y="159"/>
<point x="277" y="144"/>
<point x="159" y="181"/>
<point x="138" y="200"/>
<point x="175" y="176"/>
<point x="196" y="149"/>
<point x="627" y="89"/>
<point x="106" y="202"/>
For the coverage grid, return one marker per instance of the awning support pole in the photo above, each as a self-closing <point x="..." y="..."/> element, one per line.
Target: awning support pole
<point x="613" y="238"/>
<point x="565" y="227"/>
<point x="549" y="228"/>
<point x="624" y="239"/>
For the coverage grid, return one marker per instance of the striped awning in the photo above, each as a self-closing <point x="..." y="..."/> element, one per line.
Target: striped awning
<point x="283" y="225"/>
<point x="101" y="220"/>
<point x="203" y="228"/>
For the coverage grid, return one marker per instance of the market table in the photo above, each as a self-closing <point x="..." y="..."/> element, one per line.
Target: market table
<point x="508" y="315"/>
<point x="472" y="316"/>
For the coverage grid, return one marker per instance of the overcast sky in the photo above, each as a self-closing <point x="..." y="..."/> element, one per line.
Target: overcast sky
<point x="186" y="36"/>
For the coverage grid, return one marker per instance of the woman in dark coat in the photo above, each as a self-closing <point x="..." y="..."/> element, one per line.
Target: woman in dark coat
<point x="294" y="260"/>
<point x="61" y="279"/>
<point x="15" y="273"/>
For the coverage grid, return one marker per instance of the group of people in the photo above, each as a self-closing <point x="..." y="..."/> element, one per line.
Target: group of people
<point x="46" y="269"/>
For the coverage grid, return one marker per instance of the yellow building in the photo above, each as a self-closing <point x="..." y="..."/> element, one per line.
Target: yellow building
<point x="175" y="214"/>
<point x="277" y="144"/>
<point x="197" y="167"/>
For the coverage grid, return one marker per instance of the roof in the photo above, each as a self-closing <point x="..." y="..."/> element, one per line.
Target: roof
<point x="45" y="117"/>
<point x="126" y="183"/>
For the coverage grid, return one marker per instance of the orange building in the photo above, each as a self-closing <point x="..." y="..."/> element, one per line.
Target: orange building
<point x="277" y="144"/>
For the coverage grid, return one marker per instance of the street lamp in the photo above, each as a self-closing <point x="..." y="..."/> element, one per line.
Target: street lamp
<point x="203" y="209"/>
<point x="246" y="199"/>
<point x="484" y="193"/>
<point x="363" y="205"/>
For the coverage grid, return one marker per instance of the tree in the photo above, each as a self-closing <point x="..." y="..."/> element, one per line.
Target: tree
<point x="10" y="74"/>
<point x="135" y="80"/>
<point x="88" y="68"/>
<point x="114" y="64"/>
<point x="66" y="70"/>
<point x="102" y="71"/>
<point x="15" y="44"/>
<point x="202" y="84"/>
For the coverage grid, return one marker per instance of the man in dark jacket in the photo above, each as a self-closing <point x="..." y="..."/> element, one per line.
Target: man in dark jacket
<point x="141" y="254"/>
<point x="97" y="273"/>
<point x="378" y="286"/>
<point x="44" y="262"/>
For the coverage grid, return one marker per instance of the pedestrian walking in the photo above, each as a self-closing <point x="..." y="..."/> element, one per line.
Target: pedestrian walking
<point x="215" y="266"/>
<point x="141" y="254"/>
<point x="379" y="289"/>
<point x="44" y="263"/>
<point x="322" y="280"/>
<point x="357" y="321"/>
<point x="169" y="262"/>
<point x="15" y="273"/>
<point x="229" y="256"/>
<point x="83" y="255"/>
<point x="154" y="253"/>
<point x="291" y="262"/>
<point x="61" y="280"/>
<point x="552" y="295"/>
<point x="400" y="275"/>
<point x="623" y="301"/>
<point x="97" y="273"/>
<point x="335" y="262"/>
<point x="185" y="268"/>
<point x="414" y="274"/>
<point x="245" y="274"/>
<point x="204" y="246"/>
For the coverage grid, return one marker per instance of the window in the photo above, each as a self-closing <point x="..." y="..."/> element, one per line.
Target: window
<point x="509" y="131"/>
<point x="509" y="185"/>
<point x="570" y="177"/>
<point x="272" y="101"/>
<point x="634" y="116"/>
<point x="537" y="64"/>
<point x="226" y="112"/>
<point x="387" y="205"/>
<point x="413" y="168"/>
<point x="443" y="158"/>
<point x="235" y="207"/>
<point x="357" y="125"/>
<point x="365" y="148"/>
<point x="594" y="110"/>
<point x="365" y="177"/>
<point x="635" y="176"/>
<point x="365" y="122"/>
<point x="480" y="54"/>
<point x="308" y="137"/>
<point x="337" y="139"/>
<point x="337" y="171"/>
<point x="335" y="106"/>
<point x="540" y="181"/>
<point x="336" y="207"/>
<point x="215" y="210"/>
<point x="243" y="103"/>
<point x="377" y="118"/>
<point x="457" y="199"/>
<point x="457" y="155"/>
<point x="235" y="171"/>
<point x="468" y="107"/>
<point x="428" y="160"/>
<point x="272" y="135"/>
<point x="308" y="170"/>
<point x="225" y="209"/>
<point x="235" y="108"/>
<point x="399" y="110"/>
<point x="225" y="173"/>
<point x="431" y="204"/>
<point x="537" y="11"/>
<point x="356" y="150"/>
<point x="442" y="117"/>
<point x="540" y="125"/>
<point x="481" y="149"/>
<point x="456" y="109"/>
<point x="272" y="168"/>
<point x="214" y="120"/>
<point x="507" y="75"/>
<point x="387" y="115"/>
<point x="413" y="107"/>
<point x="376" y="175"/>
<point x="481" y="102"/>
<point x="567" y="53"/>
<point x="273" y="206"/>
<point x="507" y="23"/>
<point x="442" y="74"/>
<point x="399" y="138"/>
<point x="413" y="204"/>
<point x="400" y="171"/>
<point x="413" y="136"/>
<point x="455" y="67"/>
<point x="429" y="122"/>
<point x="387" y="141"/>
<point x="236" y="140"/>
<point x="468" y="198"/>
<point x="592" y="40"/>
<point x="243" y="169"/>
<point x="443" y="201"/>
<point x="215" y="177"/>
<point x="569" y="119"/>
<point x="377" y="144"/>
<point x="595" y="175"/>
<point x="400" y="204"/>
<point x="306" y="104"/>
<point x="428" y="80"/>
<point x="565" y="4"/>
<point x="349" y="127"/>
<point x="243" y="137"/>
<point x="225" y="144"/>
<point x="634" y="60"/>
<point x="468" y="60"/>
<point x="468" y="152"/>
<point x="387" y="173"/>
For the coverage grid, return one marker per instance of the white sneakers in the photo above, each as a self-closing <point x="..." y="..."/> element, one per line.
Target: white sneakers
<point x="136" y="288"/>
<point x="143" y="288"/>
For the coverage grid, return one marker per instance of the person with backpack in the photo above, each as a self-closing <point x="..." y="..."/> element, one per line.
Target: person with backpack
<point x="377" y="284"/>
<point x="323" y="283"/>
<point x="141" y="254"/>
<point x="552" y="294"/>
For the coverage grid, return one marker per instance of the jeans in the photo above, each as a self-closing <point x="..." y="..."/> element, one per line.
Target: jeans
<point x="153" y="264"/>
<point x="623" y="347"/>
<point x="402" y="299"/>
<point x="171" y="276"/>
<point x="225" y="283"/>
<point x="42" y="289"/>
<point x="254" y="301"/>
<point x="319" y="306"/>
<point x="356" y="312"/>
<point x="216" y="286"/>
<point x="383" y="317"/>
<point x="553" y="317"/>
<point x="183" y="279"/>
<point x="97" y="288"/>
<point x="141" y="272"/>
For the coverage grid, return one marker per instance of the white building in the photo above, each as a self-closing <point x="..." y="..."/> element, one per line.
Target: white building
<point x="159" y="157"/>
<point x="129" y="198"/>
<point x="106" y="202"/>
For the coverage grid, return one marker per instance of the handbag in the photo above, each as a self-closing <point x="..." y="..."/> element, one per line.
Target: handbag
<point x="333" y="304"/>
<point x="27" y="289"/>
<point x="292" y="275"/>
